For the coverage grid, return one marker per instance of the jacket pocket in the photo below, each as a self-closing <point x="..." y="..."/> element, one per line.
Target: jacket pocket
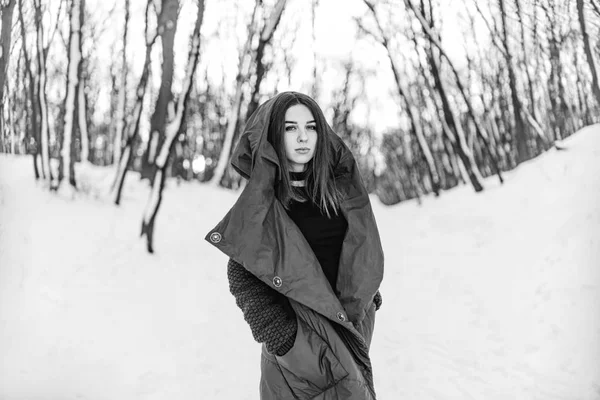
<point x="310" y="367"/>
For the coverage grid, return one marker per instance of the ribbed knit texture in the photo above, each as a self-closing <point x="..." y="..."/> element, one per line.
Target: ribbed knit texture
<point x="268" y="312"/>
<point x="377" y="300"/>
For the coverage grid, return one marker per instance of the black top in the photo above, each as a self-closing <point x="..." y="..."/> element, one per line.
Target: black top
<point x="324" y="235"/>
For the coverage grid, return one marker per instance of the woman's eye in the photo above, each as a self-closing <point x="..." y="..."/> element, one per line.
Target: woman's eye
<point x="290" y="128"/>
<point x="312" y="127"/>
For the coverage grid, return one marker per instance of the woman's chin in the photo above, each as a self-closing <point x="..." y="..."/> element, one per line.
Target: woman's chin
<point x="299" y="162"/>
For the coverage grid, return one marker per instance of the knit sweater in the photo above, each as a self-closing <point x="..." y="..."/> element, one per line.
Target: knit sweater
<point x="267" y="312"/>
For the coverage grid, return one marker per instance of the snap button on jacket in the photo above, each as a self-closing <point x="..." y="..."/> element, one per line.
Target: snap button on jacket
<point x="329" y="359"/>
<point x="215" y="237"/>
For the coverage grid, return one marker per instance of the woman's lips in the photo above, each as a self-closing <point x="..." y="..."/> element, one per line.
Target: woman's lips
<point x="303" y="150"/>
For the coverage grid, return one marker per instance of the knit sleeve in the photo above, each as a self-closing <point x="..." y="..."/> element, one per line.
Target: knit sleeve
<point x="377" y="300"/>
<point x="271" y="318"/>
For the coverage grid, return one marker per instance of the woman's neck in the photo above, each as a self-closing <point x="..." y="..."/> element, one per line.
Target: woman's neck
<point x="298" y="179"/>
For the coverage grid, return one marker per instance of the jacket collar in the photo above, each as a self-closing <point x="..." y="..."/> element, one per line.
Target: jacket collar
<point x="258" y="233"/>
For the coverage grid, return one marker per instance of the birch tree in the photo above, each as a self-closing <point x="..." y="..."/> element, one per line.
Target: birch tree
<point x="122" y="99"/>
<point x="265" y="38"/>
<point x="411" y="110"/>
<point x="6" y="9"/>
<point x="163" y="109"/>
<point x="589" y="52"/>
<point x="67" y="158"/>
<point x="255" y="68"/>
<point x="433" y="38"/>
<point x="172" y="131"/>
<point x="41" y="91"/>
<point x="520" y="134"/>
<point x="313" y="16"/>
<point x="82" y="116"/>
<point x="132" y="128"/>
<point x="33" y="105"/>
<point x="244" y="64"/>
<point x="526" y="63"/>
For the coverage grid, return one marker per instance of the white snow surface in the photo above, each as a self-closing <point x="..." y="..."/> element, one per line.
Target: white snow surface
<point x="485" y="296"/>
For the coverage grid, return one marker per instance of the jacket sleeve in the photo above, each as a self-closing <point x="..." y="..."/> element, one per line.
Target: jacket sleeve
<point x="269" y="314"/>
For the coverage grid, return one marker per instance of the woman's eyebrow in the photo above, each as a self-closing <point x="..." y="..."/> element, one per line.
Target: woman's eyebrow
<point x="294" y="122"/>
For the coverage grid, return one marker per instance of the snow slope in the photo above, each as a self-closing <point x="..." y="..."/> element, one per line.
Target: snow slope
<point x="485" y="296"/>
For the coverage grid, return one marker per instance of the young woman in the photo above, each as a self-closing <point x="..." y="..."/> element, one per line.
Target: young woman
<point x="305" y="256"/>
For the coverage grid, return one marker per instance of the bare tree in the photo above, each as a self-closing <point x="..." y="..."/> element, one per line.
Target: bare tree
<point x="6" y="9"/>
<point x="163" y="110"/>
<point x="67" y="158"/>
<point x="244" y="64"/>
<point x="313" y="17"/>
<point x="266" y="35"/>
<point x="41" y="79"/>
<point x="588" y="51"/>
<point x="34" y="106"/>
<point x="132" y="129"/>
<point x="525" y="55"/>
<point x="172" y="130"/>
<point x="520" y="134"/>
<point x="411" y="110"/>
<point x="433" y="38"/>
<point x="555" y="82"/>
<point x="122" y="100"/>
<point x="82" y="116"/>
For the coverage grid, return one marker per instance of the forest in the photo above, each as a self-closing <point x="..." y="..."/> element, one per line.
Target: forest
<point x="428" y="94"/>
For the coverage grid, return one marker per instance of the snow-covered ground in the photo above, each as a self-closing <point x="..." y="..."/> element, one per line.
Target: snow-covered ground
<point x="486" y="296"/>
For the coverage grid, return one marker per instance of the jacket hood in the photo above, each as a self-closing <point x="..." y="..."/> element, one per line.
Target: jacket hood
<point x="258" y="233"/>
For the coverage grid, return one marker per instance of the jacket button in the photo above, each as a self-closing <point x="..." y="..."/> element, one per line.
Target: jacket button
<point x="215" y="237"/>
<point x="341" y="317"/>
<point x="277" y="281"/>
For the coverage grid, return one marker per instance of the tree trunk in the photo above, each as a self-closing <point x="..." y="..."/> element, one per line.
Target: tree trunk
<point x="450" y="121"/>
<point x="481" y="132"/>
<point x="82" y="121"/>
<point x="554" y="82"/>
<point x="589" y="52"/>
<point x="132" y="128"/>
<point x="454" y="128"/>
<point x="315" y="82"/>
<point x="122" y="102"/>
<point x="34" y="132"/>
<point x="584" y="107"/>
<point x="265" y="38"/>
<point x="260" y="69"/>
<point x="5" y="41"/>
<point x="526" y="61"/>
<point x="16" y="110"/>
<point x="67" y="155"/>
<point x="43" y="105"/>
<point x="245" y="60"/>
<point x="410" y="108"/>
<point x="172" y="131"/>
<point x="520" y="135"/>
<point x="164" y="104"/>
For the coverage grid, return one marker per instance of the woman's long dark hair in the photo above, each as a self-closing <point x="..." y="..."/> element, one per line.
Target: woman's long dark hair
<point x="320" y="182"/>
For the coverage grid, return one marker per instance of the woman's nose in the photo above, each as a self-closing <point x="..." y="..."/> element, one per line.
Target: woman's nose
<point x="302" y="135"/>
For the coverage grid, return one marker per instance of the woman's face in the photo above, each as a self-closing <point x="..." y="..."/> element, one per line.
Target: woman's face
<point x="300" y="136"/>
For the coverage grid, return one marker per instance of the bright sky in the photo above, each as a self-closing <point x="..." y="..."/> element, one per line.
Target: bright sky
<point x="224" y="30"/>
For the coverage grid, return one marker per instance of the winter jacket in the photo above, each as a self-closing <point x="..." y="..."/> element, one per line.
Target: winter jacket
<point x="329" y="358"/>
<point x="268" y="312"/>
